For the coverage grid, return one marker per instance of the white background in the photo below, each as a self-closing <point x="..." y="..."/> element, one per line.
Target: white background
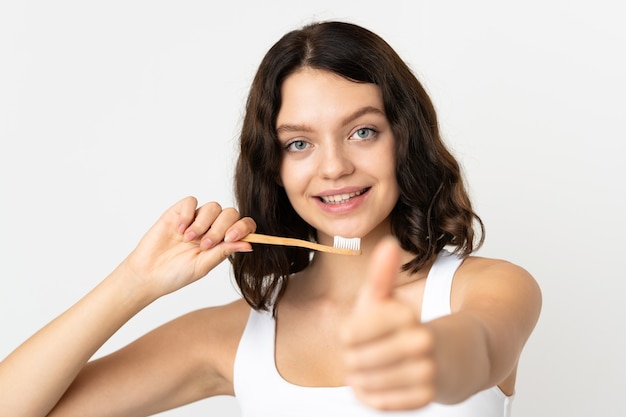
<point x="112" y="111"/>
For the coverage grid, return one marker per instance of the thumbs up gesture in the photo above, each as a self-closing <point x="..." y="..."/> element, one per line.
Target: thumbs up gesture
<point x="388" y="354"/>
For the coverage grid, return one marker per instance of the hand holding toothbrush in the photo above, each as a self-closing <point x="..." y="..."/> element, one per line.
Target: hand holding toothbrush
<point x="185" y="244"/>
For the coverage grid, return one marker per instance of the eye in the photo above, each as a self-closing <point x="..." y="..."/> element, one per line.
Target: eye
<point x="296" y="145"/>
<point x="364" y="133"/>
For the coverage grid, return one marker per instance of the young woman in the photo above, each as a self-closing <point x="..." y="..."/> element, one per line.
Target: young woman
<point x="339" y="139"/>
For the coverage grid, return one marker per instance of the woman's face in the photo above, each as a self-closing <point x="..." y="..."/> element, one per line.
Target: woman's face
<point x="338" y="161"/>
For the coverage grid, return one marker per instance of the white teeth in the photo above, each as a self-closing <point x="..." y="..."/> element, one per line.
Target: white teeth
<point x="340" y="198"/>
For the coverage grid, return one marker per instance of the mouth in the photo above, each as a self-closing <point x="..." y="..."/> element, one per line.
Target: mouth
<point x="341" y="198"/>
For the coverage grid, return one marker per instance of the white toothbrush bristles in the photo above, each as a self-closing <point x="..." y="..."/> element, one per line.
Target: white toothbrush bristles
<point x="347" y="243"/>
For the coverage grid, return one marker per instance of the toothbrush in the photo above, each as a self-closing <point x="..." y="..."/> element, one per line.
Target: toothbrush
<point x="341" y="245"/>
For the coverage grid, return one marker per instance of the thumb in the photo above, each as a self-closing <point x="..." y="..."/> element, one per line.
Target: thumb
<point x="381" y="276"/>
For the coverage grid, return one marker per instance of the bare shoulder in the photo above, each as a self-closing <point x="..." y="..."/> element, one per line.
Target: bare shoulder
<point x="475" y="269"/>
<point x="217" y="331"/>
<point x="205" y="341"/>
<point x="226" y="320"/>
<point x="223" y="318"/>
<point x="497" y="282"/>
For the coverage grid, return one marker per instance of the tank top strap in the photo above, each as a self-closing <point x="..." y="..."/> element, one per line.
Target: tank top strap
<point x="436" y="299"/>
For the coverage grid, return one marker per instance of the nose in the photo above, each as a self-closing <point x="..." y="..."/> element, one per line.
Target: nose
<point x="335" y="160"/>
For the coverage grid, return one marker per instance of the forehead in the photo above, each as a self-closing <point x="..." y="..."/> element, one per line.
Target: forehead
<point x="319" y="94"/>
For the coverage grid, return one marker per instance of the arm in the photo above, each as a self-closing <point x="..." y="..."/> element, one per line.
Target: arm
<point x="176" y="251"/>
<point x="395" y="362"/>
<point x="495" y="308"/>
<point x="185" y="360"/>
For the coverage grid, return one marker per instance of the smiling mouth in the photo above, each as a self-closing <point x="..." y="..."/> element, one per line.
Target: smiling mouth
<point x="341" y="198"/>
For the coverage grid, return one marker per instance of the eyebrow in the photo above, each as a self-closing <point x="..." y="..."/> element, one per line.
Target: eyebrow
<point x="285" y="128"/>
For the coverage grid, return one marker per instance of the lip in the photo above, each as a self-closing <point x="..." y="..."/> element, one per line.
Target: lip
<point x="342" y="199"/>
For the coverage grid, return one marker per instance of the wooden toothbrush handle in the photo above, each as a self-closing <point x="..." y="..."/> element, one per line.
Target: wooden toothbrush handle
<point x="287" y="241"/>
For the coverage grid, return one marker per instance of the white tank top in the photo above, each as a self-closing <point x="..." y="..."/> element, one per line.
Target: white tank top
<point x="262" y="392"/>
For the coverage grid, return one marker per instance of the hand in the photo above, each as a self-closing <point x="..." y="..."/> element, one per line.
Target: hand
<point x="388" y="354"/>
<point x="185" y="244"/>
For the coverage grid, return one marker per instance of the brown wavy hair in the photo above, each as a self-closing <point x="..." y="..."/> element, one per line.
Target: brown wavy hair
<point x="433" y="210"/>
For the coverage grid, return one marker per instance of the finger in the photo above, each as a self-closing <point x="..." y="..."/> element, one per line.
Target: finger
<point x="203" y="220"/>
<point x="379" y="321"/>
<point x="227" y="226"/>
<point x="240" y="229"/>
<point x="404" y="398"/>
<point x="403" y="375"/>
<point x="413" y="344"/>
<point x="183" y="211"/>
<point x="382" y="273"/>
<point x="208" y="259"/>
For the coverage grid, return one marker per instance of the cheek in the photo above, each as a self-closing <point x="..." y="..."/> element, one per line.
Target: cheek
<point x="291" y="179"/>
<point x="385" y="166"/>
<point x="381" y="162"/>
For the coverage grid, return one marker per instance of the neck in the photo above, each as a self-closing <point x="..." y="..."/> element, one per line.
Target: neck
<point x="339" y="278"/>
